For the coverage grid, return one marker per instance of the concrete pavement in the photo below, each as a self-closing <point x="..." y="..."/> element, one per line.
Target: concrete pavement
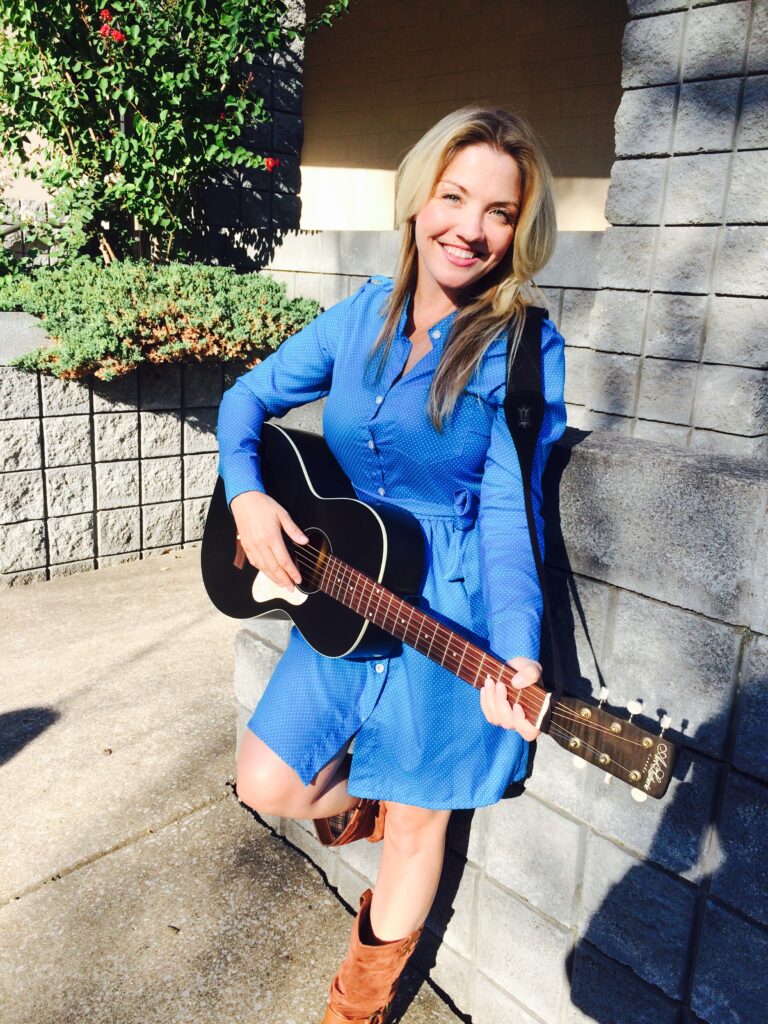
<point x="133" y="885"/>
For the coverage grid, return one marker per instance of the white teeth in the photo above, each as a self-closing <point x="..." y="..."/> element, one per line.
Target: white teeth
<point x="462" y="254"/>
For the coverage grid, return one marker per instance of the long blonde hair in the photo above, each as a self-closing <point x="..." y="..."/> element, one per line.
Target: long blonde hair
<point x="497" y="304"/>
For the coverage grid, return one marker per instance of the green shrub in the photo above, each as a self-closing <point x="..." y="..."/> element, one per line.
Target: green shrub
<point x="106" y="320"/>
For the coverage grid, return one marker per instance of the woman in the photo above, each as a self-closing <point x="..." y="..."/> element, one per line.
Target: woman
<point x="414" y="371"/>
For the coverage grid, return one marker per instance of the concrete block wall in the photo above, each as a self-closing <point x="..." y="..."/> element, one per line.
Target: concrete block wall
<point x="93" y="473"/>
<point x="678" y="347"/>
<point x="568" y="901"/>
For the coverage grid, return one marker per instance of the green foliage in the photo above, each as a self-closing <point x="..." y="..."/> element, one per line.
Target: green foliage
<point x="136" y="100"/>
<point x="106" y="320"/>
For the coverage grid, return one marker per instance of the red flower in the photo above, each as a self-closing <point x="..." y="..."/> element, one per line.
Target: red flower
<point x="117" y="35"/>
<point x="104" y="30"/>
<point x="105" y="15"/>
<point x="271" y="163"/>
<point x="222" y="116"/>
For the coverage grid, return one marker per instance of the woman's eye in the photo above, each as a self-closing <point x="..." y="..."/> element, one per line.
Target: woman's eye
<point x="503" y="214"/>
<point x="450" y="196"/>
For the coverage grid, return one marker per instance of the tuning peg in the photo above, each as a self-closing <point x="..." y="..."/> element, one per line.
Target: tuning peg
<point x="634" y="707"/>
<point x="639" y="795"/>
<point x="603" y="695"/>
<point x="665" y="723"/>
<point x="607" y="780"/>
<point x="577" y="764"/>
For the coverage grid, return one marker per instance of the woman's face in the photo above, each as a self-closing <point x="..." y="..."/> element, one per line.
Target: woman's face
<point x="467" y="226"/>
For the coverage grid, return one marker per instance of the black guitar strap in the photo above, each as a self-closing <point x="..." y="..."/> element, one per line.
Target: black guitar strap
<point x="524" y="409"/>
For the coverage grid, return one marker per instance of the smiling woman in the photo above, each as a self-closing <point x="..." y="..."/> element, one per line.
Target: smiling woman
<point x="414" y="371"/>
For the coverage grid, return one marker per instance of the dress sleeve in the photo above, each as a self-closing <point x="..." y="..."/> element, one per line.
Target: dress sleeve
<point x="511" y="589"/>
<point x="298" y="372"/>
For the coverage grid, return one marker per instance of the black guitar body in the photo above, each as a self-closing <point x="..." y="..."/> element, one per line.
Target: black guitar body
<point x="384" y="542"/>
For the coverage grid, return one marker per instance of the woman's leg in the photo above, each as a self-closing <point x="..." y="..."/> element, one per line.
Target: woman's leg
<point x="267" y="784"/>
<point x="389" y="924"/>
<point x="411" y="864"/>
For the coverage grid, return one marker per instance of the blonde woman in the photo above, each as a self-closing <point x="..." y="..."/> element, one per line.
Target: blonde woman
<point x="414" y="373"/>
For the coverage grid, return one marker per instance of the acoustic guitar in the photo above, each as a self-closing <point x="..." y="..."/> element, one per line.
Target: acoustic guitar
<point x="361" y="564"/>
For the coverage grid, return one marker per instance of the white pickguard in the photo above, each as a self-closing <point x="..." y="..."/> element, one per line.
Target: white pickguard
<point x="265" y="590"/>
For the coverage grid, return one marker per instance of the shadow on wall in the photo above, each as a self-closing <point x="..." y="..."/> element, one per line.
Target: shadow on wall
<point x="240" y="218"/>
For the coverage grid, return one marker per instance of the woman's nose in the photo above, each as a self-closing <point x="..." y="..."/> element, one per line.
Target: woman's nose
<point x="470" y="227"/>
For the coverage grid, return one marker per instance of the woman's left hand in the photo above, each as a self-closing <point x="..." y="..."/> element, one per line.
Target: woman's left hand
<point x="495" y="703"/>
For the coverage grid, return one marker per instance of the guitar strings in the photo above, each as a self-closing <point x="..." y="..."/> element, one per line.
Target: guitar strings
<point x="439" y="643"/>
<point x="343" y="574"/>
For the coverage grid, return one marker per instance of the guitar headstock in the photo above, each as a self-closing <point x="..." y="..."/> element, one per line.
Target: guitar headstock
<point x="615" y="745"/>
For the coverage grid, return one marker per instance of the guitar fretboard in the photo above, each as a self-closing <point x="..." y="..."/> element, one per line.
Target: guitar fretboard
<point x="414" y="627"/>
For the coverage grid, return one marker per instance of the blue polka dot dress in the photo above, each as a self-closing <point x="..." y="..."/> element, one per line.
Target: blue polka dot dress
<point x="420" y="735"/>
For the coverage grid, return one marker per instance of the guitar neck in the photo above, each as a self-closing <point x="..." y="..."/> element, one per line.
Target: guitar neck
<point x="414" y="627"/>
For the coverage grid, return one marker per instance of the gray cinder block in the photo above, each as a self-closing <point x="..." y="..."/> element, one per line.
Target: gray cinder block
<point x="532" y="965"/>
<point x="626" y="256"/>
<point x="67" y="440"/>
<point x="736" y="332"/>
<point x="117" y="395"/>
<point x="612" y="383"/>
<point x="160" y="386"/>
<point x="534" y="851"/>
<point x="741" y="874"/>
<point x="732" y="399"/>
<point x="202" y="385"/>
<point x="161" y="480"/>
<point x="753" y="129"/>
<point x="666" y="390"/>
<point x="117" y="484"/>
<point x="18" y="394"/>
<point x="716" y="39"/>
<point x="200" y="475"/>
<point x="258" y="649"/>
<point x="71" y="538"/>
<point x="650" y="50"/>
<point x="23" y="547"/>
<point x="676" y="326"/>
<point x="118" y="531"/>
<point x="617" y="321"/>
<point x="574" y="317"/>
<point x="637" y="915"/>
<point x="635" y="193"/>
<point x="743" y="263"/>
<point x="64" y="397"/>
<point x="696" y="189"/>
<point x="161" y="525"/>
<point x="706" y="117"/>
<point x="116" y="436"/>
<point x="747" y="204"/>
<point x="645" y="542"/>
<point x="200" y="431"/>
<point x="730" y="984"/>
<point x="160" y="434"/>
<point x="684" y="259"/>
<point x="21" y="496"/>
<point x="644" y="121"/>
<point x="598" y="983"/>
<point x="69" y="490"/>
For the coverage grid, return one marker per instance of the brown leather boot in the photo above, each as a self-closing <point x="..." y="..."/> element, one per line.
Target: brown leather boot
<point x="366" y="983"/>
<point x="366" y="821"/>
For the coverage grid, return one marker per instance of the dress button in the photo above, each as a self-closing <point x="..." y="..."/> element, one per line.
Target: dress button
<point x="379" y="399"/>
<point x="379" y="667"/>
<point x="371" y="445"/>
<point x="436" y="334"/>
<point x="382" y="491"/>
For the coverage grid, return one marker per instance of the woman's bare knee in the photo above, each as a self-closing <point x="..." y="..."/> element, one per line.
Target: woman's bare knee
<point x="265" y="783"/>
<point x="412" y="829"/>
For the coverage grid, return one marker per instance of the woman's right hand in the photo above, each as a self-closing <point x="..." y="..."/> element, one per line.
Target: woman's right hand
<point x="260" y="522"/>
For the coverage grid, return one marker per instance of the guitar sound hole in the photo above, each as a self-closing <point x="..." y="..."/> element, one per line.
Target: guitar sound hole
<point x="311" y="559"/>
